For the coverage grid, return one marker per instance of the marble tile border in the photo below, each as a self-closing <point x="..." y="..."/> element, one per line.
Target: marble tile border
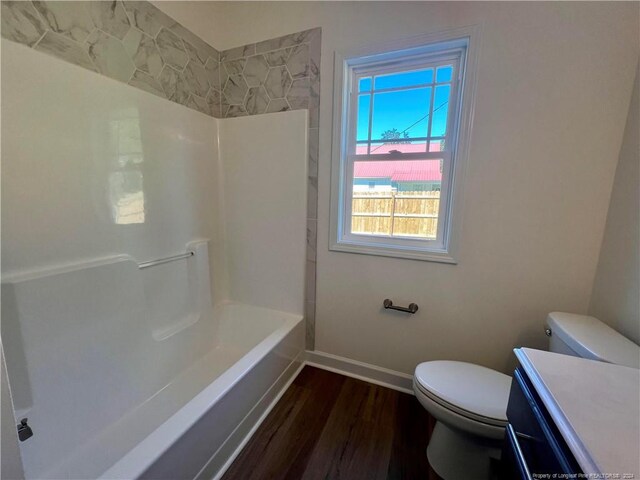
<point x="130" y="41"/>
<point x="286" y="67"/>
<point x="137" y="44"/>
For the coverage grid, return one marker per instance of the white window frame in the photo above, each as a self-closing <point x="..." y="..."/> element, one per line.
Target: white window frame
<point x="459" y="46"/>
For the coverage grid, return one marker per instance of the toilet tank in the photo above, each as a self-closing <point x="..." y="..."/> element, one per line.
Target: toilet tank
<point x="588" y="337"/>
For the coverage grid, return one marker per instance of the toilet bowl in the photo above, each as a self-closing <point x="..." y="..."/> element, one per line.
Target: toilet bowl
<point x="469" y="403"/>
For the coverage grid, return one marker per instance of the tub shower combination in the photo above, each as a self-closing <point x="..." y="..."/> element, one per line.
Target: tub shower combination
<point x="153" y="273"/>
<point x="156" y="384"/>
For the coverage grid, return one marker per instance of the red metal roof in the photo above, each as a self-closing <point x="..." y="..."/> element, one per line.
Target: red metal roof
<point x="399" y="170"/>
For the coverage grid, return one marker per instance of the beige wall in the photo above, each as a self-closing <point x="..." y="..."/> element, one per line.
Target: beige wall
<point x="616" y="290"/>
<point x="554" y="83"/>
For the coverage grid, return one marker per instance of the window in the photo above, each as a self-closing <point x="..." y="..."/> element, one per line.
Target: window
<point x="398" y="148"/>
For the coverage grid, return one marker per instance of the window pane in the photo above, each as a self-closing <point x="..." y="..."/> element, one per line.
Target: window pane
<point x="364" y="105"/>
<point x="444" y="74"/>
<point x="398" y="116"/>
<point x="437" y="144"/>
<point x="365" y="85"/>
<point x="440" y="111"/>
<point x="404" y="79"/>
<point x="396" y="198"/>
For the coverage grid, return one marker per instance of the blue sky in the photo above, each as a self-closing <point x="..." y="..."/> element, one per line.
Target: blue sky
<point x="403" y="108"/>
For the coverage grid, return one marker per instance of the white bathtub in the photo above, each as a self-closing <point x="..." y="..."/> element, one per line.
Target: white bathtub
<point x="130" y="373"/>
<point x="125" y="405"/>
<point x="127" y="373"/>
<point x="200" y="418"/>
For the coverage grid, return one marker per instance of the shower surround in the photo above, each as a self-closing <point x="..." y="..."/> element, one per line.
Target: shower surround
<point x="145" y="328"/>
<point x="136" y="43"/>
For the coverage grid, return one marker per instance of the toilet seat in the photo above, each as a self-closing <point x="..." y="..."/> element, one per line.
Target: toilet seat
<point x="477" y="393"/>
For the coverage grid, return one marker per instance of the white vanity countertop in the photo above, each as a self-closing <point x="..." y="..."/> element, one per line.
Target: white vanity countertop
<point x="595" y="405"/>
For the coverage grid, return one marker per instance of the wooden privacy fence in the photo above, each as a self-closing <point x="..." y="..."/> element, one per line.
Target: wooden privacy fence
<point x="412" y="214"/>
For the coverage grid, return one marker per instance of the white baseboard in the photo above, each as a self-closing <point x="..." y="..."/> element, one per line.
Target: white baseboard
<point x="362" y="371"/>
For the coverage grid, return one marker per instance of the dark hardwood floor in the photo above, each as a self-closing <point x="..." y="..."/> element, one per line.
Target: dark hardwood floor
<point x="328" y="426"/>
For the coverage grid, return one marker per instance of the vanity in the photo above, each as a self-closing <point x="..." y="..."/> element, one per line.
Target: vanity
<point x="571" y="417"/>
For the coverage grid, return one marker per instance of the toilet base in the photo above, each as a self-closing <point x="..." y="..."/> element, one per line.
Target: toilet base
<point x="455" y="455"/>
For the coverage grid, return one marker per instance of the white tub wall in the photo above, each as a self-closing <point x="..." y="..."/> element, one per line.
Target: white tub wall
<point x="244" y="326"/>
<point x="65" y="136"/>
<point x="264" y="163"/>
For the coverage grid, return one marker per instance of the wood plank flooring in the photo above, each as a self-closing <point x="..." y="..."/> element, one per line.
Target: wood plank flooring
<point x="331" y="427"/>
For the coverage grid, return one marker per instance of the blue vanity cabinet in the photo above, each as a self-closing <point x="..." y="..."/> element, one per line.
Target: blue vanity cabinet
<point x="533" y="446"/>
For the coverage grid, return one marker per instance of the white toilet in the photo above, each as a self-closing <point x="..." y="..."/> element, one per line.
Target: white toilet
<point x="469" y="402"/>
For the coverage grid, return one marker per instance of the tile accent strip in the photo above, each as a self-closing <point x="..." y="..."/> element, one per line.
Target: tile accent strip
<point x="136" y="43"/>
<point x="132" y="42"/>
<point x="276" y="75"/>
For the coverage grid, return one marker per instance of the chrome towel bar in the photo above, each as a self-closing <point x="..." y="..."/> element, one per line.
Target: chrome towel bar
<point x="388" y="304"/>
<point x="160" y="261"/>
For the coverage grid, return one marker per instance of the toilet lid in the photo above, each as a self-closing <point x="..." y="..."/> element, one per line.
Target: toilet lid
<point x="480" y="391"/>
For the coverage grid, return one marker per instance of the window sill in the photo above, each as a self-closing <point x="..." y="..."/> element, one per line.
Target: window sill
<point x="438" y="256"/>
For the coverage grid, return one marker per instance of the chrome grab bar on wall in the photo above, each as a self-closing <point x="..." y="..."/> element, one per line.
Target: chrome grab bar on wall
<point x="160" y="261"/>
<point x="388" y="304"/>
